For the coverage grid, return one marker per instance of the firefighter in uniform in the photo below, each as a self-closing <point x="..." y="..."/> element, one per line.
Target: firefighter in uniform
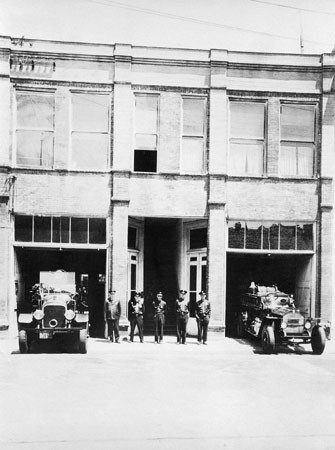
<point x="159" y="309"/>
<point x="137" y="311"/>
<point x="113" y="313"/>
<point x="202" y="314"/>
<point x="182" y="316"/>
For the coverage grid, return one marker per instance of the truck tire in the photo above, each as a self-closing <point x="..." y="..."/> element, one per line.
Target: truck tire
<point x="318" y="340"/>
<point x="83" y="341"/>
<point x="240" y="331"/>
<point x="23" y="341"/>
<point x="268" y="339"/>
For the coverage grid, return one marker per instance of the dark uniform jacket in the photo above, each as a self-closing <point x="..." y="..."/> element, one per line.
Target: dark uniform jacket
<point x="203" y="309"/>
<point x="138" y="307"/>
<point x="113" y="309"/>
<point x="159" y="307"/>
<point x="182" y="307"/>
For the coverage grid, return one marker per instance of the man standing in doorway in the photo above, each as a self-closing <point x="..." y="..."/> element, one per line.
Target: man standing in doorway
<point x="137" y="309"/>
<point x="113" y="313"/>
<point x="202" y="314"/>
<point x="182" y="315"/>
<point x="159" y="307"/>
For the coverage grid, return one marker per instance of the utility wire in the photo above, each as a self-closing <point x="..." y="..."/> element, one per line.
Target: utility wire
<point x="193" y="20"/>
<point x="328" y="13"/>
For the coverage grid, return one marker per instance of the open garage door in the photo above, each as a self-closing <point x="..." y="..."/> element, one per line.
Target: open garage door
<point x="291" y="273"/>
<point x="88" y="265"/>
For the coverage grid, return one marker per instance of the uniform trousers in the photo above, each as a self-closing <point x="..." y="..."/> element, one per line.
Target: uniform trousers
<point x="136" y="320"/>
<point x="202" y="329"/>
<point x="159" y="319"/>
<point x="182" y="320"/>
<point x="113" y="329"/>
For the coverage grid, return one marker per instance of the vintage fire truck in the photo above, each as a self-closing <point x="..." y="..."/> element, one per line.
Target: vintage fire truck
<point x="271" y="315"/>
<point x="55" y="313"/>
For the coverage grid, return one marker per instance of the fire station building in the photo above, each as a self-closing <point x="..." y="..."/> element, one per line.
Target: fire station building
<point x="146" y="169"/>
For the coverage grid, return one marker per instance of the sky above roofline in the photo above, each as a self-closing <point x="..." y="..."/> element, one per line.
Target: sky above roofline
<point x="280" y="26"/>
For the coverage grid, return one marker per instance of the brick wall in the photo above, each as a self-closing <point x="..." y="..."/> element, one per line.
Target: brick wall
<point x="62" y="193"/>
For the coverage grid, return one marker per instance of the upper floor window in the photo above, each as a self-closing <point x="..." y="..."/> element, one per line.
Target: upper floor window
<point x="146" y="133"/>
<point x="297" y="134"/>
<point x="35" y="129"/>
<point x="90" y="131"/>
<point x="193" y="138"/>
<point x="246" y="153"/>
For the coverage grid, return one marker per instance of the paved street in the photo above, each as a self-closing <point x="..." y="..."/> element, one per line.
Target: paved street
<point x="226" y="395"/>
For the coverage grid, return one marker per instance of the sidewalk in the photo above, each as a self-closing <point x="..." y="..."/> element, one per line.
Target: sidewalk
<point x="217" y="344"/>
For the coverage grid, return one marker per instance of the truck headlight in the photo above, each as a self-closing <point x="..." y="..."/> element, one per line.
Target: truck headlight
<point x="38" y="314"/>
<point x="283" y="325"/>
<point x="70" y="315"/>
<point x="308" y="325"/>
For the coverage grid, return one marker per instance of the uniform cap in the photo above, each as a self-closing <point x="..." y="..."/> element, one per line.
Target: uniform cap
<point x="159" y="293"/>
<point x="182" y="292"/>
<point x="111" y="291"/>
<point x="202" y="293"/>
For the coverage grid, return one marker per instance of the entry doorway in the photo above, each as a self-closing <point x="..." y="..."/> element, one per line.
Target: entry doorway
<point x="162" y="256"/>
<point x="291" y="273"/>
<point x="197" y="276"/>
<point x="90" y="272"/>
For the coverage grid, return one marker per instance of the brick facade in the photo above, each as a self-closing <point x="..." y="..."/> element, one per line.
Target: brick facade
<point x="214" y="196"/>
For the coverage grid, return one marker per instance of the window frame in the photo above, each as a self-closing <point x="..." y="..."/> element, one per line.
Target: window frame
<point x="197" y="137"/>
<point x="249" y="141"/>
<point x="61" y="244"/>
<point x="73" y="132"/>
<point x="157" y="134"/>
<point x="297" y="143"/>
<point x="37" y="92"/>
<point x="267" y="224"/>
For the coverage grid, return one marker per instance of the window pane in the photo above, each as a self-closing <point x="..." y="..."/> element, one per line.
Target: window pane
<point x="305" y="237"/>
<point x="288" y="160"/>
<point x="198" y="238"/>
<point x="23" y="228"/>
<point x="133" y="277"/>
<point x="305" y="156"/>
<point x="34" y="148"/>
<point x="193" y="117"/>
<point x="56" y="229"/>
<point x="146" y="113"/>
<point x="192" y="155"/>
<point x="132" y="237"/>
<point x="297" y="122"/>
<point x="78" y="230"/>
<point x="236" y="235"/>
<point x="42" y="229"/>
<point x="145" y="161"/>
<point x="35" y="111"/>
<point x="146" y="141"/>
<point x="64" y="228"/>
<point x="247" y="120"/>
<point x="193" y="278"/>
<point x="90" y="112"/>
<point x="89" y="151"/>
<point x="274" y="235"/>
<point x="97" y="231"/>
<point x="203" y="277"/>
<point x="253" y="235"/>
<point x="287" y="237"/>
<point x="246" y="159"/>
